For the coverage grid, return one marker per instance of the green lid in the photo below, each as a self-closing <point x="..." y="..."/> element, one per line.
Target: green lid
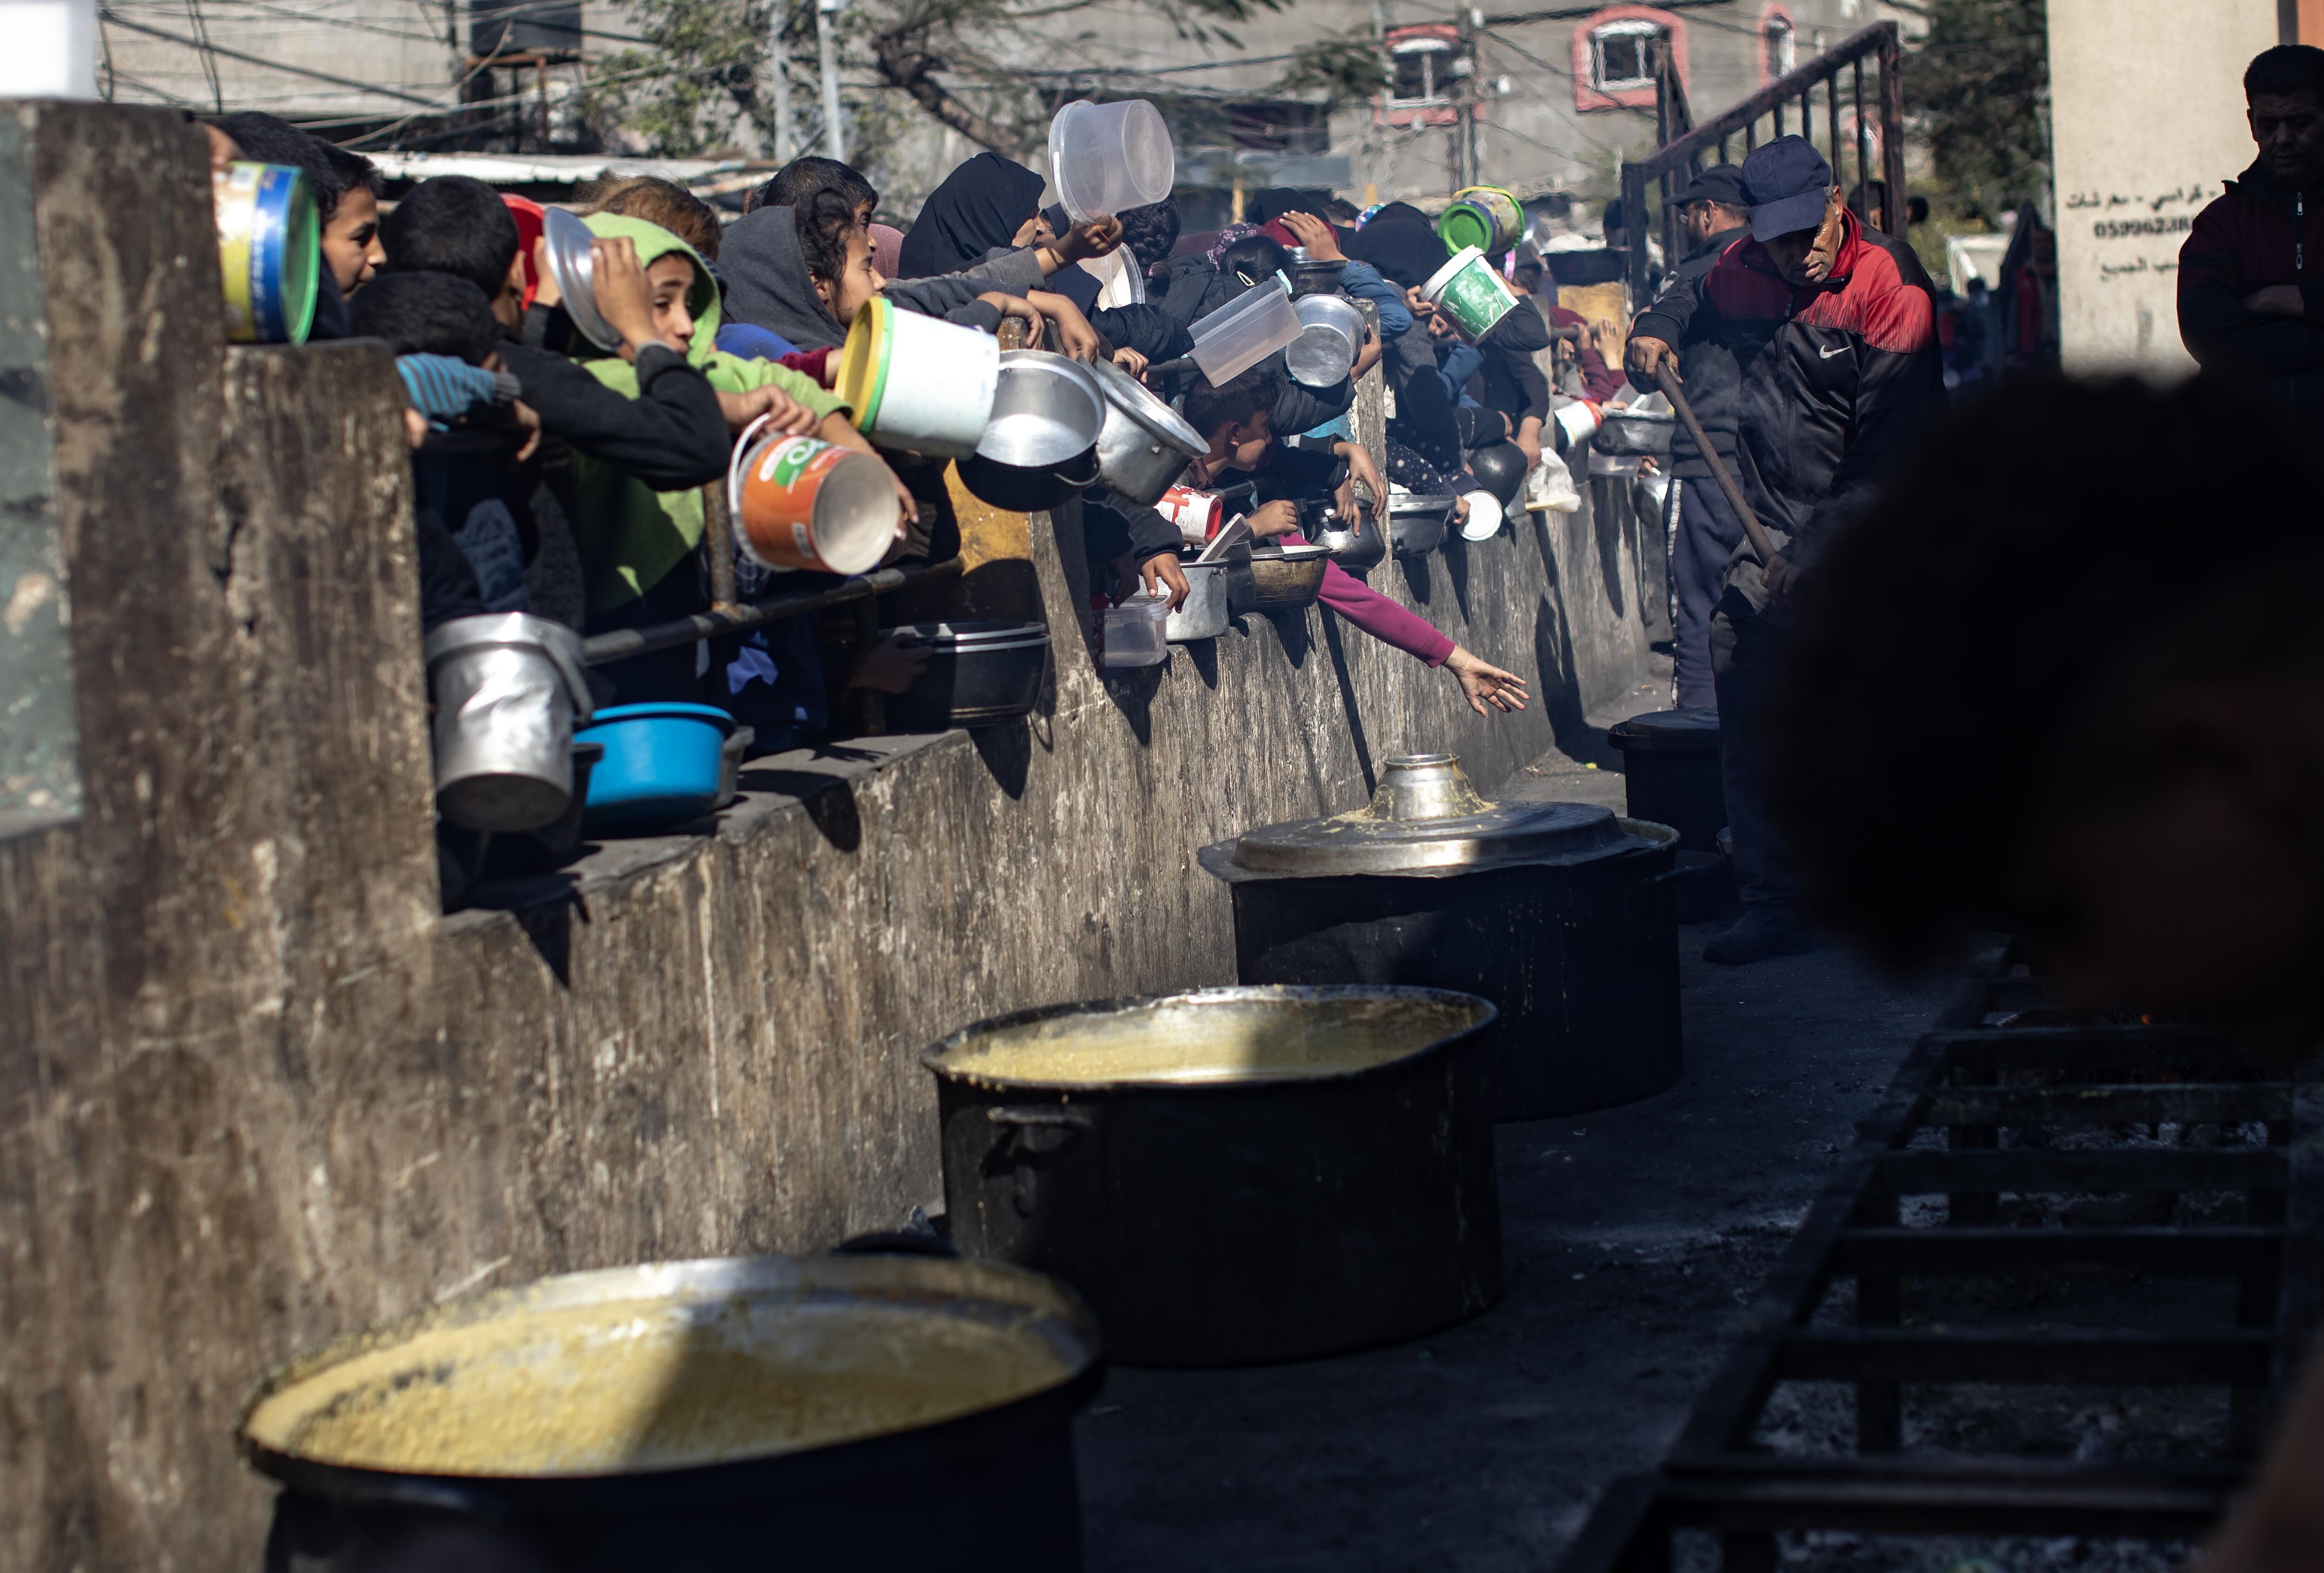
<point x="1464" y="224"/>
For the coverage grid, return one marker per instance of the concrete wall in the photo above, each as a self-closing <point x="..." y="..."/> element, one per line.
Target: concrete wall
<point x="2147" y="108"/>
<point x="259" y="1093"/>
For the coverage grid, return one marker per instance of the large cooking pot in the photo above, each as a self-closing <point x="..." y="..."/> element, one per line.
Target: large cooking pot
<point x="1417" y="525"/>
<point x="1145" y="443"/>
<point x="1356" y="544"/>
<point x="860" y="1411"/>
<point x="1671" y="772"/>
<point x="1232" y="1175"/>
<point x="507" y="687"/>
<point x="1560" y="913"/>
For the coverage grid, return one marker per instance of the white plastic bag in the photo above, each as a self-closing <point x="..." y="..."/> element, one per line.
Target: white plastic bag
<point x="1550" y="485"/>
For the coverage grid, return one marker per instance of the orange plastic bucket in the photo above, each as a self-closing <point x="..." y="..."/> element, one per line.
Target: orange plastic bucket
<point x="802" y="503"/>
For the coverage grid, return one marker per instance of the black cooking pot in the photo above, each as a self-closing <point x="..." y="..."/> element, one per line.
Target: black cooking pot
<point x="1232" y="1175"/>
<point x="983" y="1485"/>
<point x="1670" y="771"/>
<point x="1560" y="913"/>
<point x="1499" y="469"/>
<point x="979" y="674"/>
<point x="1028" y="488"/>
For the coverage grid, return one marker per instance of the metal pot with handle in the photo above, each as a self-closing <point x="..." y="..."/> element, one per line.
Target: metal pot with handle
<point x="1144" y="445"/>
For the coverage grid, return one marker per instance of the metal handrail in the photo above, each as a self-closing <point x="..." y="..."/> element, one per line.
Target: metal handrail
<point x="1882" y="40"/>
<point x="623" y="643"/>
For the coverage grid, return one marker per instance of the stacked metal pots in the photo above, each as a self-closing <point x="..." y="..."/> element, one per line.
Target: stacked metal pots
<point x="1560" y="913"/>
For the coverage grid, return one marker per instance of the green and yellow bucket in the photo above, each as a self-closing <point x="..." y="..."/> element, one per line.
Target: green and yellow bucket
<point x="1484" y="216"/>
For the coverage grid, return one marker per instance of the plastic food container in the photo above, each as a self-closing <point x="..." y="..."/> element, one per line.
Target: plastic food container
<point x="918" y="382"/>
<point x="801" y="502"/>
<point x="1246" y="330"/>
<point x="1109" y="158"/>
<point x="1469" y="292"/>
<point x="270" y="256"/>
<point x="662" y="766"/>
<point x="1134" y="632"/>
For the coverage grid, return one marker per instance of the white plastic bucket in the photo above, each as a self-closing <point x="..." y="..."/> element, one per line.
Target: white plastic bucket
<point x="1469" y="294"/>
<point x="917" y="381"/>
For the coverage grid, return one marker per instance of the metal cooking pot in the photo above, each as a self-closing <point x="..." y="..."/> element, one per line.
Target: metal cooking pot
<point x="1288" y="576"/>
<point x="1028" y="488"/>
<point x="1331" y="336"/>
<point x="1232" y="1175"/>
<point x="507" y="688"/>
<point x="517" y="1421"/>
<point x="1559" y="912"/>
<point x="1310" y="276"/>
<point x="1416" y="525"/>
<point x="979" y="674"/>
<point x="1636" y="430"/>
<point x="1145" y="443"/>
<point x="1048" y="410"/>
<point x="1204" y="616"/>
<point x="1354" y="544"/>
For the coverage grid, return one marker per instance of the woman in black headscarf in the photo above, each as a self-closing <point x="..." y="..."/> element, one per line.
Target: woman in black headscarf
<point x="1399" y="240"/>
<point x="983" y="207"/>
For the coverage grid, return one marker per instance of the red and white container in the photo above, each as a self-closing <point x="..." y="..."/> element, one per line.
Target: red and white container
<point x="1197" y="514"/>
<point x="801" y="502"/>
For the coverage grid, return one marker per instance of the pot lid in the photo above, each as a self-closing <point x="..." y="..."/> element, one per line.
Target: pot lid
<point x="1425" y="818"/>
<point x="1131" y="396"/>
<point x="1668" y="731"/>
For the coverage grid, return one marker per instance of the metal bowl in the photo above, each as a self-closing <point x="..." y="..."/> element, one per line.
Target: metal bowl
<point x="1332" y="335"/>
<point x="1290" y="577"/>
<point x="570" y="265"/>
<point x="1145" y="444"/>
<point x="1047" y="410"/>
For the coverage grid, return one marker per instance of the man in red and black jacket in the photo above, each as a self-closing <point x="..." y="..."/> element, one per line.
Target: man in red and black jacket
<point x="2251" y="276"/>
<point x="1833" y="328"/>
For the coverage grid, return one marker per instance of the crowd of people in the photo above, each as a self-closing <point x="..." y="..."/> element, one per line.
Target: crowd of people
<point x="561" y="477"/>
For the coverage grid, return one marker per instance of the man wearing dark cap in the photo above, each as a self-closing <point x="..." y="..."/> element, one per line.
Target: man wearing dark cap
<point x="1834" y="330"/>
<point x="1703" y="529"/>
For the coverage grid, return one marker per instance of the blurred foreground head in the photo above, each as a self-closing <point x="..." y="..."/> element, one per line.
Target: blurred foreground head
<point x="2068" y="681"/>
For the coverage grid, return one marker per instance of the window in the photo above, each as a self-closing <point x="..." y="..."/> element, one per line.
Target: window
<point x="1423" y="70"/>
<point x="1615" y="52"/>
<point x="1778" y="46"/>
<point x="1622" y="56"/>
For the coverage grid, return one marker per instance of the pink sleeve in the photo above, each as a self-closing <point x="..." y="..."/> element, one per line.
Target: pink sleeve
<point x="1381" y="618"/>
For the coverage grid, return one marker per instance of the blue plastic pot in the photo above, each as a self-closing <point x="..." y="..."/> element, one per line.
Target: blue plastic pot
<point x="660" y="766"/>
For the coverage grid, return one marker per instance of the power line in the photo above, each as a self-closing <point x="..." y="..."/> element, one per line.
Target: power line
<point x="108" y="14"/>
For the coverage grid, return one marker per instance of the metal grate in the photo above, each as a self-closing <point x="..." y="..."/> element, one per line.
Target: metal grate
<point x="2015" y="1119"/>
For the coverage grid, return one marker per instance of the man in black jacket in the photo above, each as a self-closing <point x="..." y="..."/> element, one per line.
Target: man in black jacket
<point x="1703" y="529"/>
<point x="1834" y="330"/>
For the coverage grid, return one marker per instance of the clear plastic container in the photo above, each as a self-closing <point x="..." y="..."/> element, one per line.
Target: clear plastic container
<point x="1134" y="632"/>
<point x="1246" y="330"/>
<point x="1109" y="158"/>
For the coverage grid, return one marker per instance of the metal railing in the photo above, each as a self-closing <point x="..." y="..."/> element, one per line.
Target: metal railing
<point x="1686" y="147"/>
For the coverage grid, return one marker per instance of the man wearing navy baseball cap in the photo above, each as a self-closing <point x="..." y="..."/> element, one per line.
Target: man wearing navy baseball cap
<point x="1833" y="326"/>
<point x="1702" y="530"/>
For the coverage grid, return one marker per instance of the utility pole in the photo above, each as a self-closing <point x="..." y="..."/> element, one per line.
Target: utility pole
<point x="1464" y="101"/>
<point x="827" y="47"/>
<point x="780" y="59"/>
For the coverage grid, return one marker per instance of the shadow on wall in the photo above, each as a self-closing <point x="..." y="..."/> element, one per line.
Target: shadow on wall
<point x="1610" y="512"/>
<point x="1332" y="639"/>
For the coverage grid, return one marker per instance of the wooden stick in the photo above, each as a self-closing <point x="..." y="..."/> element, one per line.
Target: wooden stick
<point x="1760" y="545"/>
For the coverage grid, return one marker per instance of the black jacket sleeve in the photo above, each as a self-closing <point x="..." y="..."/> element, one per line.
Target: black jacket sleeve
<point x="1301" y="408"/>
<point x="1674" y="312"/>
<point x="1514" y="381"/>
<point x="670" y="436"/>
<point x="447" y="584"/>
<point x="1148" y="329"/>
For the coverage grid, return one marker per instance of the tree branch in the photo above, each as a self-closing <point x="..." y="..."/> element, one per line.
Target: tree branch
<point x="905" y="62"/>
